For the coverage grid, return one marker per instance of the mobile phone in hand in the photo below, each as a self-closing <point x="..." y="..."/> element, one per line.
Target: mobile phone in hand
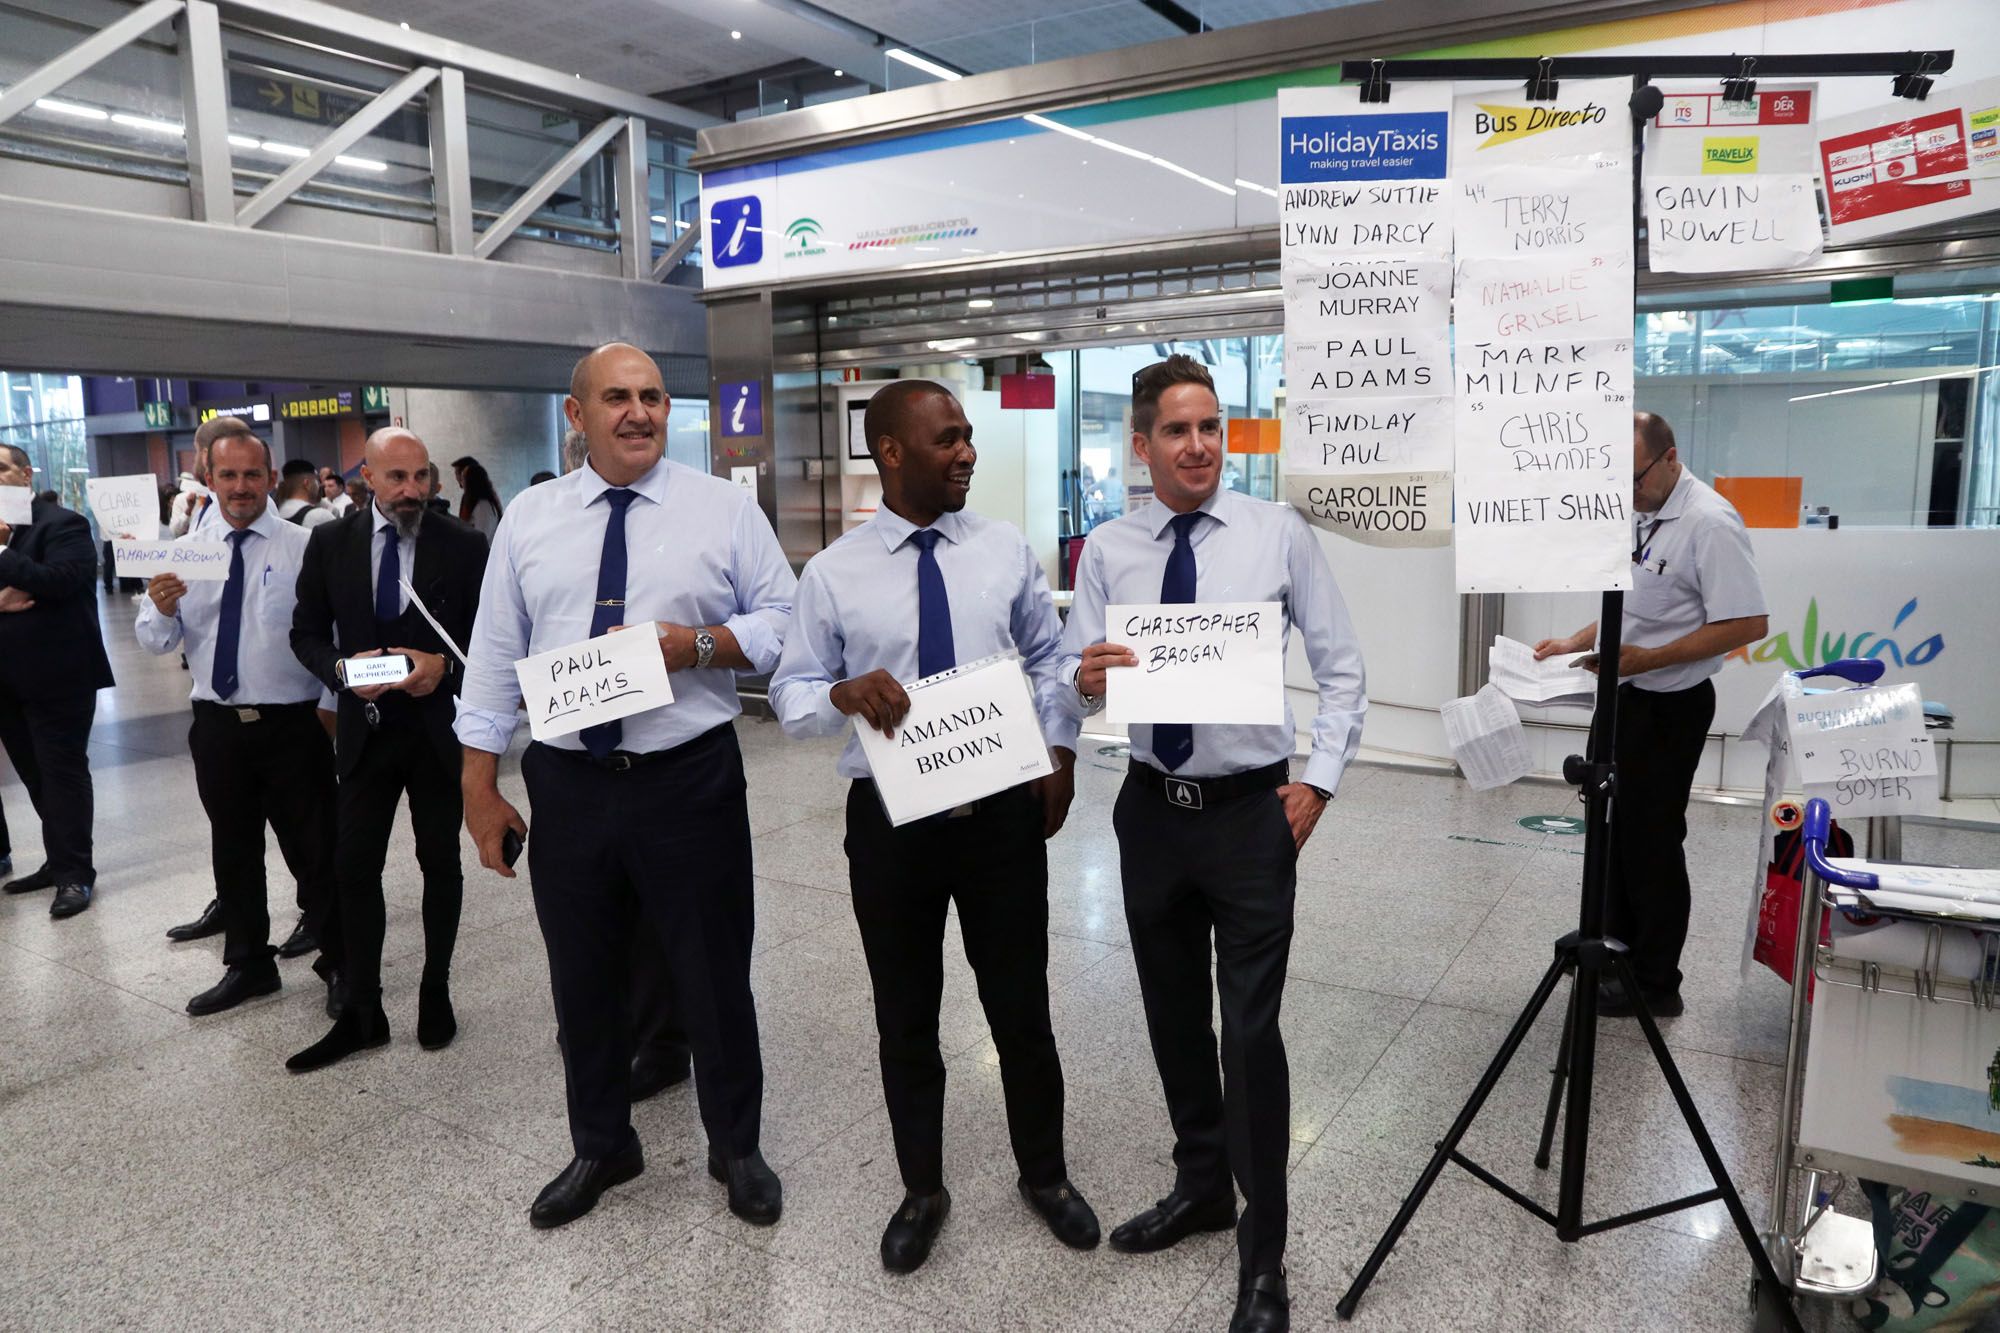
<point x="511" y="844"/>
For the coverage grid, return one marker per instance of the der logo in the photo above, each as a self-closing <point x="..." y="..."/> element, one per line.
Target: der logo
<point x="736" y="231"/>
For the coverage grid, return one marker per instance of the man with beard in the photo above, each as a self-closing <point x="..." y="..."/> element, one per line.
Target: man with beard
<point x="354" y="602"/>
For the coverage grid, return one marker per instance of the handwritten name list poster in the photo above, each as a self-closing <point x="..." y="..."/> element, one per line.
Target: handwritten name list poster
<point x="1366" y="220"/>
<point x="1543" y="367"/>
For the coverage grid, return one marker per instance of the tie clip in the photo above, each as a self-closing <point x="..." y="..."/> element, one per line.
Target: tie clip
<point x="609" y="601"/>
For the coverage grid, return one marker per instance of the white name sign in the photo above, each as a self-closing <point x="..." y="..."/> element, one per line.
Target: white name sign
<point x="1198" y="662"/>
<point x="970" y="733"/>
<point x="125" y="506"/>
<point x="599" y="680"/>
<point x="191" y="561"/>
<point x="375" y="670"/>
<point x="17" y="506"/>
<point x="1865" y="752"/>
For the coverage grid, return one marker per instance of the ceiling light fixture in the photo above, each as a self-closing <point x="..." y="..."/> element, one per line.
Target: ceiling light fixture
<point x="360" y="163"/>
<point x="70" y="109"/>
<point x="242" y="141"/>
<point x="980" y="303"/>
<point x="1059" y="128"/>
<point x="146" y="123"/>
<point x="282" y="149"/>
<point x="930" y="67"/>
<point x="840" y="74"/>
<point x="1242" y="184"/>
<point x="735" y="36"/>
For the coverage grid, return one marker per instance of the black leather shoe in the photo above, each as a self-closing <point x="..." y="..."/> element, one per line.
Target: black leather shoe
<point x="299" y="943"/>
<point x="1613" y="1001"/>
<point x="754" y="1192"/>
<point x="653" y="1075"/>
<point x="1068" y="1216"/>
<point x="351" y="1034"/>
<point x="576" y="1191"/>
<point x="204" y="925"/>
<point x="34" y="883"/>
<point x="907" y="1240"/>
<point x="1262" y="1304"/>
<point x="436" y="1023"/>
<point x="70" y="899"/>
<point x="1172" y="1220"/>
<point x="6" y="865"/>
<point x="237" y="985"/>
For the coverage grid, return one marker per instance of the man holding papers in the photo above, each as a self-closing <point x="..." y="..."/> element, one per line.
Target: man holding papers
<point x="1209" y="822"/>
<point x="920" y="589"/>
<point x="392" y="737"/>
<point x="259" y="751"/>
<point x="1695" y="597"/>
<point x="640" y="822"/>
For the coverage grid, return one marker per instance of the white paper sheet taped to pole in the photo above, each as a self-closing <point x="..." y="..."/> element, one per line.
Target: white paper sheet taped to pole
<point x="1544" y="298"/>
<point x="1721" y="224"/>
<point x="1347" y="437"/>
<point x="1543" y="531"/>
<point x="1574" y="433"/>
<point x="1523" y="211"/>
<point x="1399" y="509"/>
<point x="1496" y="370"/>
<point x="1395" y="293"/>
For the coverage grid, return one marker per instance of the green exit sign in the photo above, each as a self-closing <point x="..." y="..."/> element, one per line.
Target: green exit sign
<point x="159" y="416"/>
<point x="374" y="398"/>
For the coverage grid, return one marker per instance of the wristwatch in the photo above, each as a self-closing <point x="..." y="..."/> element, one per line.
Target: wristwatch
<point x="704" y="649"/>
<point x="1320" y="792"/>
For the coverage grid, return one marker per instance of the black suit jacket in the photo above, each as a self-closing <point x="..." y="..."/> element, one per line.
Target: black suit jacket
<point x="55" y="648"/>
<point x="335" y="615"/>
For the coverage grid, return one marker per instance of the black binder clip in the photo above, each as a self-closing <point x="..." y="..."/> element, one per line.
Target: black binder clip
<point x="1542" y="87"/>
<point x="1915" y="84"/>
<point x="1742" y="88"/>
<point x="1376" y="87"/>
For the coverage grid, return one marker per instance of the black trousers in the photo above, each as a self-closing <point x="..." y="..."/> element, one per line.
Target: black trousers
<point x="662" y="847"/>
<point x="278" y="770"/>
<point x="398" y="758"/>
<point x="1229" y="871"/>
<point x="47" y="741"/>
<point x="994" y="865"/>
<point x="1660" y="740"/>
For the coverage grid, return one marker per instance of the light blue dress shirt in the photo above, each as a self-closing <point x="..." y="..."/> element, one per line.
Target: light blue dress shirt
<point x="698" y="552"/>
<point x="266" y="670"/>
<point x="1246" y="550"/>
<point x="857" y="611"/>
<point x="406" y="556"/>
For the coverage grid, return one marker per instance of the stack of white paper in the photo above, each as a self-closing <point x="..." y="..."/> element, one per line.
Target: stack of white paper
<point x="1486" y="739"/>
<point x="1519" y="676"/>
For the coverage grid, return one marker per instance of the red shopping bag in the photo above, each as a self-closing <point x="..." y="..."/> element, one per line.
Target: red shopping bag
<point x="1784" y="889"/>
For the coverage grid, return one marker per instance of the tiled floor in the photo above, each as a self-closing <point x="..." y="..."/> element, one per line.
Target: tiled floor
<point x="165" y="1172"/>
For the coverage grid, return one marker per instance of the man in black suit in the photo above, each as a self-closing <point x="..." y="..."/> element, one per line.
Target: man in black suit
<point x="392" y="738"/>
<point x="52" y="665"/>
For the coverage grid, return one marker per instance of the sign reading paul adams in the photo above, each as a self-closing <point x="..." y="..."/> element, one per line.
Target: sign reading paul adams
<point x="1198" y="662"/>
<point x="971" y="732"/>
<point x="603" y="679"/>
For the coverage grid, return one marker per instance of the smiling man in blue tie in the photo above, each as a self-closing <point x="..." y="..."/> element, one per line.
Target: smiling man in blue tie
<point x="920" y="588"/>
<point x="640" y="823"/>
<point x="1210" y="823"/>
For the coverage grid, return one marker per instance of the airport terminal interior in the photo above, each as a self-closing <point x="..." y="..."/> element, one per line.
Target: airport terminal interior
<point x="373" y="233"/>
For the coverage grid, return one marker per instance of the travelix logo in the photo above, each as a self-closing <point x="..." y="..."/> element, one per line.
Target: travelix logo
<point x="1816" y="649"/>
<point x="804" y="236"/>
<point x="1504" y="124"/>
<point x="736" y="231"/>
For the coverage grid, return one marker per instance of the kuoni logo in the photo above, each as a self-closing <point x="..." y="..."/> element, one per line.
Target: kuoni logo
<point x="742" y="403"/>
<point x="736" y="231"/>
<point x="1505" y="124"/>
<point x="804" y="236"/>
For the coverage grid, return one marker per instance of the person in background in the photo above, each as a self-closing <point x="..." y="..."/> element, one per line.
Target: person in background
<point x="358" y="495"/>
<point x="478" y="502"/>
<point x="299" y="495"/>
<point x="541" y="477"/>
<point x="333" y="493"/>
<point x="52" y="664"/>
<point x="48" y="497"/>
<point x="435" y="500"/>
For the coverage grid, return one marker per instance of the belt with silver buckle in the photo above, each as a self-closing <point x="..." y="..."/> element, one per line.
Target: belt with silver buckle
<point x="254" y="712"/>
<point x="1201" y="793"/>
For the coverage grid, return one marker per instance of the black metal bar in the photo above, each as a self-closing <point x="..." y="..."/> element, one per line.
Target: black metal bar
<point x="1501" y="1187"/>
<point x="1647" y="1214"/>
<point x="1523" y="68"/>
<point x="1557" y="1077"/>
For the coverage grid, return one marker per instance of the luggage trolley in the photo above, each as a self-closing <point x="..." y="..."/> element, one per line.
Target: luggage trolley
<point x="1900" y="1081"/>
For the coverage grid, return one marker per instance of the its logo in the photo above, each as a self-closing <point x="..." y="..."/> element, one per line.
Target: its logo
<point x="804" y="236"/>
<point x="742" y="403"/>
<point x="1505" y="124"/>
<point x="736" y="231"/>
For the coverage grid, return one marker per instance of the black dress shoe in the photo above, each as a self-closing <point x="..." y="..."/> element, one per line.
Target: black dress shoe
<point x="70" y="899"/>
<point x="1614" y="1001"/>
<point x="1172" y="1220"/>
<point x="204" y="925"/>
<point x="237" y="985"/>
<point x="653" y="1075"/>
<point x="34" y="883"/>
<point x="436" y="1023"/>
<point x="1068" y="1216"/>
<point x="754" y="1192"/>
<point x="6" y="864"/>
<point x="907" y="1240"/>
<point x="1262" y="1304"/>
<point x="351" y="1033"/>
<point x="299" y="943"/>
<point x="576" y="1191"/>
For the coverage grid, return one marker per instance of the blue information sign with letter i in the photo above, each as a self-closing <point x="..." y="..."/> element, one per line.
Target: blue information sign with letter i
<point x="742" y="403"/>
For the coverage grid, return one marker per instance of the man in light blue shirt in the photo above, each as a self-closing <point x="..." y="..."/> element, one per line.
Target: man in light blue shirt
<point x="1209" y="823"/>
<point x="644" y="816"/>
<point x="920" y="588"/>
<point x="260" y="753"/>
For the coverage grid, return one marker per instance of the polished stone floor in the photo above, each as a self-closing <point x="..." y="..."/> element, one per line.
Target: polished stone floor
<point x="165" y="1172"/>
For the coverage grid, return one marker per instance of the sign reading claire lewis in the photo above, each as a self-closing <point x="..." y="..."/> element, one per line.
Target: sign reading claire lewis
<point x="125" y="506"/>
<point x="603" y="679"/>
<point x="1208" y="662"/>
<point x="1366" y="231"/>
<point x="971" y="732"/>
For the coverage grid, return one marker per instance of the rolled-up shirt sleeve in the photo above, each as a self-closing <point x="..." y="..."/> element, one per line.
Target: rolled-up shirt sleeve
<point x="157" y="633"/>
<point x="1084" y="628"/>
<point x="765" y="589"/>
<point x="1038" y="634"/>
<point x="1320" y="615"/>
<point x="1726" y="569"/>
<point x="813" y="662"/>
<point x="486" y="703"/>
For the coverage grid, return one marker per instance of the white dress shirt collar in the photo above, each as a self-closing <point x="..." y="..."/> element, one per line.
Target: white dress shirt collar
<point x="1216" y="506"/>
<point x="652" y="485"/>
<point x="894" y="529"/>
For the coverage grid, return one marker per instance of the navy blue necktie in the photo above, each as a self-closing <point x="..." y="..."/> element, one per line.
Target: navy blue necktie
<point x="609" y="610"/>
<point x="935" y="652"/>
<point x="1173" y="742"/>
<point x="222" y="676"/>
<point x="387" y="599"/>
